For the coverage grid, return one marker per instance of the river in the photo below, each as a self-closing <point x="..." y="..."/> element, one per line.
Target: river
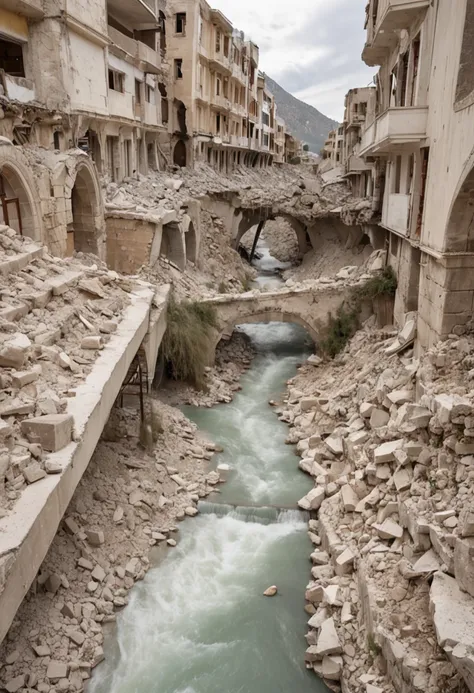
<point x="198" y="622"/>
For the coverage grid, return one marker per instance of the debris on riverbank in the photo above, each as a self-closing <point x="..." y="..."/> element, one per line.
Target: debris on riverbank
<point x="128" y="502"/>
<point x="387" y="439"/>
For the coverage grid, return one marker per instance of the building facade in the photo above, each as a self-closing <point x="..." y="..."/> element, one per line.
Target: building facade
<point x="413" y="151"/>
<point x="222" y="111"/>
<point x="80" y="97"/>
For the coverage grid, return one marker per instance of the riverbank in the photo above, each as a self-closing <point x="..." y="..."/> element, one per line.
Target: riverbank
<point x="390" y="488"/>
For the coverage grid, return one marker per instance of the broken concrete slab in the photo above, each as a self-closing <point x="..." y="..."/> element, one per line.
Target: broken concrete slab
<point x="328" y="640"/>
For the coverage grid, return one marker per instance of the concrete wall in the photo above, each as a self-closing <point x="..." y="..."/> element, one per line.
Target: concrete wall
<point x="86" y="79"/>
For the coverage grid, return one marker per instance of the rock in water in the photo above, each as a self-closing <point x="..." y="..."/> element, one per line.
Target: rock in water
<point x="270" y="591"/>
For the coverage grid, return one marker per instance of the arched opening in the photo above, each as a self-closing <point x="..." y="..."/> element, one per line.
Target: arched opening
<point x="191" y="243"/>
<point x="172" y="245"/>
<point x="460" y="231"/>
<point x="82" y="234"/>
<point x="266" y="317"/>
<point x="17" y="207"/>
<point x="179" y="154"/>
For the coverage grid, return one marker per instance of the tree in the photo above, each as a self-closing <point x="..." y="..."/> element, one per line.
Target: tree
<point x="306" y="147"/>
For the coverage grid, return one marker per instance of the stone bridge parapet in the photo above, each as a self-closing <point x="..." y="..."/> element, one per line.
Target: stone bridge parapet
<point x="308" y="306"/>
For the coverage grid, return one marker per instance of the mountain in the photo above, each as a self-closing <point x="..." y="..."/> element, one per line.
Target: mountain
<point x="301" y="119"/>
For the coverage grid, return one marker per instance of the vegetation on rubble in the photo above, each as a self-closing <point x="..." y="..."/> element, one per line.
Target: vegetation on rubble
<point x="342" y="327"/>
<point x="188" y="340"/>
<point x="373" y="647"/>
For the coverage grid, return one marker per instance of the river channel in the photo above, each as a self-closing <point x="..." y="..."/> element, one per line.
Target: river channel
<point x="198" y="622"/>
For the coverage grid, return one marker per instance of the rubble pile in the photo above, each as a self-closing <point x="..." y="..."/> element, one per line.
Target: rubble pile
<point x="127" y="503"/>
<point x="55" y="317"/>
<point x="389" y="441"/>
<point x="284" y="190"/>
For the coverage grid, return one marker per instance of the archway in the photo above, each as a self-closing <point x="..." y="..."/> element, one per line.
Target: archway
<point x="191" y="243"/>
<point x="179" y="154"/>
<point x="17" y="206"/>
<point x="460" y="228"/>
<point x="172" y="245"/>
<point x="265" y="317"/>
<point x="83" y="234"/>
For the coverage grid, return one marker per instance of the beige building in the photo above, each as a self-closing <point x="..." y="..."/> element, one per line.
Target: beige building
<point x="81" y="84"/>
<point x="408" y="143"/>
<point x="359" y="108"/>
<point x="222" y="111"/>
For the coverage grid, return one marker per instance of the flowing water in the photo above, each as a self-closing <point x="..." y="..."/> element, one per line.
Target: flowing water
<point x="198" y="622"/>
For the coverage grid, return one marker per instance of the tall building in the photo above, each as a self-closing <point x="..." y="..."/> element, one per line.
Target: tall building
<point x="220" y="103"/>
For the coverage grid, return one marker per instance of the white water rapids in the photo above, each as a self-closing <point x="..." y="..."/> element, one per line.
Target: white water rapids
<point x="198" y="622"/>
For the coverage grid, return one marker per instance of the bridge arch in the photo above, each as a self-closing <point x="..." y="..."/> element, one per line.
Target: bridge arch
<point x="265" y="317"/>
<point x="251" y="218"/>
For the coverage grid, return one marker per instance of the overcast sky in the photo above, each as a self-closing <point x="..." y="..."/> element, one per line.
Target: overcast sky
<point x="310" y="47"/>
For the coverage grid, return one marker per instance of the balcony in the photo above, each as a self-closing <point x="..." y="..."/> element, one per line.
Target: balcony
<point x="356" y="120"/>
<point x="221" y="63"/>
<point x="356" y="164"/>
<point x="33" y="9"/>
<point x="148" y="59"/>
<point x="239" y="110"/>
<point x="133" y="13"/>
<point x="238" y="141"/>
<point x="121" y="105"/>
<point x="143" y="57"/>
<point x="397" y="213"/>
<point x="392" y="16"/>
<point x="220" y="102"/>
<point x="394" y="129"/>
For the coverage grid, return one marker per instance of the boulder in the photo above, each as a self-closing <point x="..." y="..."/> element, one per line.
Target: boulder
<point x="379" y="418"/>
<point x="53" y="431"/>
<point x="332" y="667"/>
<point x="56" y="670"/>
<point x="308" y="403"/>
<point x="313" y="499"/>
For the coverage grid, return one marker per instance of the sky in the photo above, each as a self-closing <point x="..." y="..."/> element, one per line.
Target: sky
<point x="311" y="48"/>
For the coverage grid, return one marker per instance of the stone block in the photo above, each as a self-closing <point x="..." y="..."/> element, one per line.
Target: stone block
<point x="366" y="409"/>
<point x="95" y="538"/>
<point x="308" y="403"/>
<point x="328" y="640"/>
<point x="345" y="562"/>
<point x="53" y="431"/>
<point x="14" y="351"/>
<point x="33" y="473"/>
<point x="313" y="499"/>
<point x="335" y="444"/>
<point x="384" y="453"/>
<point x="22" y="378"/>
<point x="14" y="685"/>
<point x="16" y="406"/>
<point x="332" y="667"/>
<point x="349" y="498"/>
<point x="314" y="594"/>
<point x="464" y="564"/>
<point x="389" y="529"/>
<point x="92" y="342"/>
<point x="5" y="430"/>
<point x="56" y="670"/>
<point x="379" y="418"/>
<point x="402" y="478"/>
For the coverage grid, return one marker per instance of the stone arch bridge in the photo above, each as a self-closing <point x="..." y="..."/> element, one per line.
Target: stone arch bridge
<point x="308" y="306"/>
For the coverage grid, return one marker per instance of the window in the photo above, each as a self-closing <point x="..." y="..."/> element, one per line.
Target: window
<point x="465" y="82"/>
<point x="138" y="92"/>
<point x="200" y="29"/>
<point x="226" y="46"/>
<point x="57" y="140"/>
<point x="150" y="94"/>
<point x="265" y="140"/>
<point x="11" y="58"/>
<point x="265" y="118"/>
<point x="178" y="68"/>
<point x="116" y="81"/>
<point x="218" y="41"/>
<point x="218" y="123"/>
<point x="218" y="86"/>
<point x="181" y="23"/>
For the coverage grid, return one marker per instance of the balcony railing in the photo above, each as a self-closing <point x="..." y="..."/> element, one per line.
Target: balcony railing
<point x="144" y="57"/>
<point x="397" y="213"/>
<point x="392" y="16"/>
<point x="239" y="141"/>
<point x="356" y="164"/>
<point x="356" y="120"/>
<point x="395" y="127"/>
<point x="221" y="62"/>
<point x="221" y="102"/>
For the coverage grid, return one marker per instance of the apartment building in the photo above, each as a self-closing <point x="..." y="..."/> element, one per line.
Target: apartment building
<point x="359" y="108"/>
<point x="421" y="141"/>
<point x="408" y="144"/>
<point x="222" y="111"/>
<point x="279" y="141"/>
<point x="81" y="85"/>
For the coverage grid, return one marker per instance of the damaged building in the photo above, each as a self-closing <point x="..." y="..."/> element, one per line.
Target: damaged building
<point x="410" y="153"/>
<point x="80" y="98"/>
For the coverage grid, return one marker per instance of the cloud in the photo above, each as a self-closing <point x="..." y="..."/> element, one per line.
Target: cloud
<point x="313" y="51"/>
